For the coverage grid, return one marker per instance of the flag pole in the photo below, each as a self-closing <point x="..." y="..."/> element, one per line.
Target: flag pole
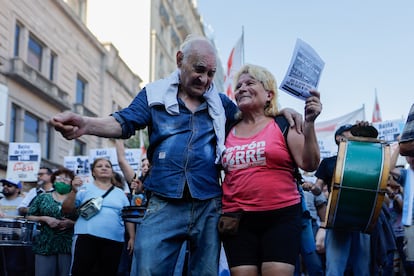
<point x="363" y="106"/>
<point x="243" y="45"/>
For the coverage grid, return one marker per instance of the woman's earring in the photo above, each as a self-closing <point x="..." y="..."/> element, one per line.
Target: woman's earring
<point x="267" y="104"/>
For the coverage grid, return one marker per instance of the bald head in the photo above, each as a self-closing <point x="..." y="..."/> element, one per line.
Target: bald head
<point x="197" y="61"/>
<point x="195" y="44"/>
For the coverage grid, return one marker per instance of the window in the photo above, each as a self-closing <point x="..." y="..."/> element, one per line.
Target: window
<point x="17" y="40"/>
<point x="115" y="107"/>
<point x="80" y="90"/>
<point x="80" y="148"/>
<point x="52" y="65"/>
<point x="13" y="123"/>
<point x="34" y="53"/>
<point x="31" y="128"/>
<point x="48" y="142"/>
<point x="82" y="10"/>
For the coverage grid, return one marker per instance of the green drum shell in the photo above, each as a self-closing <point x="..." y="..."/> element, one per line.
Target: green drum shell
<point x="358" y="193"/>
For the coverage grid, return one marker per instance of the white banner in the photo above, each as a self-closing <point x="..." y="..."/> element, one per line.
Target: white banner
<point x="23" y="161"/>
<point x="108" y="153"/>
<point x="389" y="130"/>
<point x="80" y="165"/>
<point x="134" y="156"/>
<point x="325" y="131"/>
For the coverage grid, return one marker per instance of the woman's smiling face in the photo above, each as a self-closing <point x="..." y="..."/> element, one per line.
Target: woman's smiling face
<point x="250" y="93"/>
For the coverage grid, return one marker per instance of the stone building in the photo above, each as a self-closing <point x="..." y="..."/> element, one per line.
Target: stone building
<point x="52" y="62"/>
<point x="87" y="56"/>
<point x="151" y="34"/>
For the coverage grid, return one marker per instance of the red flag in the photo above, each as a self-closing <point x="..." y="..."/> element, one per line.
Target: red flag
<point x="376" y="114"/>
<point x="234" y="63"/>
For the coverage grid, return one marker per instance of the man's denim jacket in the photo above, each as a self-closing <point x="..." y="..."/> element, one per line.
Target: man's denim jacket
<point x="182" y="147"/>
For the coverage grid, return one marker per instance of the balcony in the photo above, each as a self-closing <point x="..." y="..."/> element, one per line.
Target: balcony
<point x="174" y="38"/>
<point x="34" y="81"/>
<point x="165" y="18"/>
<point x="182" y="26"/>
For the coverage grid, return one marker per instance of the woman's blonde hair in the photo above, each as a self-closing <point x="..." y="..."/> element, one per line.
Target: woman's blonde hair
<point x="263" y="75"/>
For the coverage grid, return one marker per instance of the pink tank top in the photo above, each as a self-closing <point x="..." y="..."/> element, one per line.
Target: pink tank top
<point x="259" y="172"/>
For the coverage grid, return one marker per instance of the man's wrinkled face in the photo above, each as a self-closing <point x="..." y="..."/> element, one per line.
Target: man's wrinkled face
<point x="197" y="70"/>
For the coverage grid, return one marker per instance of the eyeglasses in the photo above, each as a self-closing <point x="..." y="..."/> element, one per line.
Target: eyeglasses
<point x="63" y="178"/>
<point x="41" y="173"/>
<point x="9" y="185"/>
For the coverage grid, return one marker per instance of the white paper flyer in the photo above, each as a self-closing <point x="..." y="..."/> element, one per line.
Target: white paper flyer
<point x="304" y="71"/>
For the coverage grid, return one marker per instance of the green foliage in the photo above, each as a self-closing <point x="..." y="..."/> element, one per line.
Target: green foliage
<point x="134" y="141"/>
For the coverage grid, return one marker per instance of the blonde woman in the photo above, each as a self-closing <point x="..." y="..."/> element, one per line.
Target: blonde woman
<point x="260" y="182"/>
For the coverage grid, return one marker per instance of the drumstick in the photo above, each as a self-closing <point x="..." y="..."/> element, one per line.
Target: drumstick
<point x="134" y="178"/>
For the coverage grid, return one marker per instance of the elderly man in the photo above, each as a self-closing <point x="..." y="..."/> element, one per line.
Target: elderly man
<point x="186" y="116"/>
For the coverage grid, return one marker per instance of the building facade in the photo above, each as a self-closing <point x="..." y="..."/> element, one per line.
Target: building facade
<point x="86" y="56"/>
<point x="51" y="62"/>
<point x="148" y="33"/>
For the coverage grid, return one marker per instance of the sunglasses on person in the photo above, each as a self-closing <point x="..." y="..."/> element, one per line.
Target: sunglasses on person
<point x="9" y="185"/>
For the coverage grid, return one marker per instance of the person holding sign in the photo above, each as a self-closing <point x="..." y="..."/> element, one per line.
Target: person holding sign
<point x="260" y="187"/>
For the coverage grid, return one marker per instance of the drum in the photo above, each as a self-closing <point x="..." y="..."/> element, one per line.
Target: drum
<point x="14" y="231"/>
<point x="359" y="185"/>
<point x="133" y="213"/>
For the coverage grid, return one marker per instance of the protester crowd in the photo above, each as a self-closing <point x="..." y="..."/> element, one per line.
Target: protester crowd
<point x="269" y="212"/>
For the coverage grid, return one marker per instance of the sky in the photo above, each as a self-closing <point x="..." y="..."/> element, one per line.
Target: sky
<point x="367" y="47"/>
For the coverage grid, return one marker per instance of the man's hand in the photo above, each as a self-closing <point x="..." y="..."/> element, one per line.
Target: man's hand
<point x="137" y="186"/>
<point x="294" y="118"/>
<point x="320" y="240"/>
<point x="70" y="124"/>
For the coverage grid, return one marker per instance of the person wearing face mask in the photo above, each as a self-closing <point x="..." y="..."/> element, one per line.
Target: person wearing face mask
<point x="52" y="247"/>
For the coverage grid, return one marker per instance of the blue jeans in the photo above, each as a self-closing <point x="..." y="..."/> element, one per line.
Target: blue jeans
<point x="166" y="226"/>
<point x="308" y="252"/>
<point x="347" y="248"/>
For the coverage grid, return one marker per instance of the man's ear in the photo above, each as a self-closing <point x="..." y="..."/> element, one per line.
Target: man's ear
<point x="179" y="58"/>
